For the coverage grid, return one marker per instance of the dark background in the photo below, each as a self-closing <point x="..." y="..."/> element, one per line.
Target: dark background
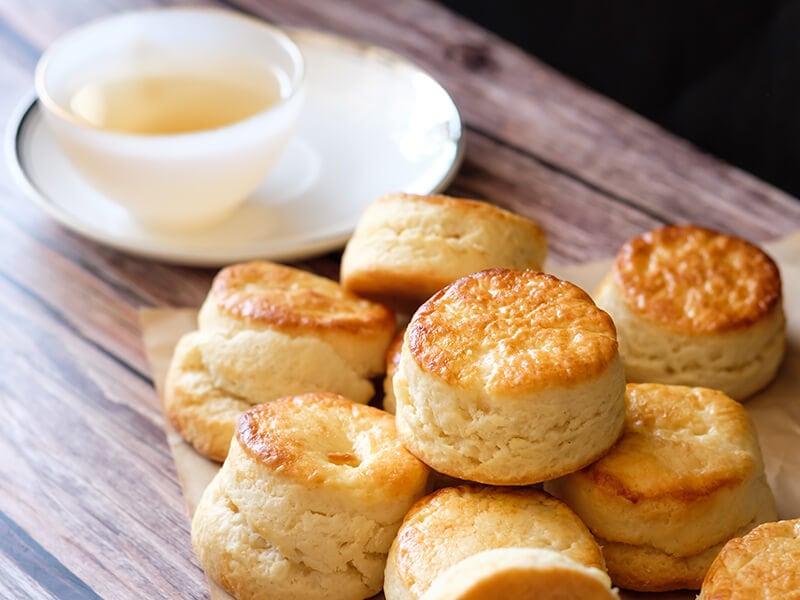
<point x="723" y="74"/>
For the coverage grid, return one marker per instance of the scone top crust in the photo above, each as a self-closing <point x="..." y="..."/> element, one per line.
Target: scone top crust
<point x="510" y="331"/>
<point x="694" y="280"/>
<point x="454" y="523"/>
<point x="762" y="564"/>
<point x="522" y="573"/>
<point x="289" y="298"/>
<point x="677" y="443"/>
<point x="326" y="439"/>
<point x="482" y="210"/>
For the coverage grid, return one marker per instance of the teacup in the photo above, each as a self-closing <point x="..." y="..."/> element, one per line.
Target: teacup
<point x="175" y="114"/>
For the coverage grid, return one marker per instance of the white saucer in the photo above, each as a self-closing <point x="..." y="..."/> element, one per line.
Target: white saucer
<point x="373" y="123"/>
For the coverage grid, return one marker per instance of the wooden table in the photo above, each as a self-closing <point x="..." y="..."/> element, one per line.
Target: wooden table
<point x="89" y="500"/>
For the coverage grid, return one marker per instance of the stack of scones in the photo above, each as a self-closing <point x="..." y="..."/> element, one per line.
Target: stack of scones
<point x="534" y="443"/>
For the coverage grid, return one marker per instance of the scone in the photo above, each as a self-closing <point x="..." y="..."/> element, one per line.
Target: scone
<point x="509" y="378"/>
<point x="685" y="477"/>
<point x="454" y="524"/>
<point x="765" y="563"/>
<point x="696" y="307"/>
<point x="261" y="295"/>
<point x="308" y="501"/>
<point x="521" y="574"/>
<point x="407" y="247"/>
<point x="392" y="363"/>
<point x="267" y="331"/>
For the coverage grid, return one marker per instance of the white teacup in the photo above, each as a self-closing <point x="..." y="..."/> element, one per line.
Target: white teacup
<point x="90" y="85"/>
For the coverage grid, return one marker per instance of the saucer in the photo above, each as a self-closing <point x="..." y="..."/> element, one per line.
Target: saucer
<point x="372" y="123"/>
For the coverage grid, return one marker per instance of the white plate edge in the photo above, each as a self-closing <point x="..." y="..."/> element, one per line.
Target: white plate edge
<point x="314" y="247"/>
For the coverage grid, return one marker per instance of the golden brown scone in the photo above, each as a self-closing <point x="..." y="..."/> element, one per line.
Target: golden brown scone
<point x="453" y="524"/>
<point x="214" y="376"/>
<point x="267" y="331"/>
<point x="509" y="378"/>
<point x="201" y="412"/>
<point x="765" y="563"/>
<point x="696" y="307"/>
<point x="392" y="363"/>
<point x="406" y="247"/>
<point x="521" y="574"/>
<point x="307" y="502"/>
<point x="647" y="568"/>
<point x="686" y="476"/>
<point x="262" y="295"/>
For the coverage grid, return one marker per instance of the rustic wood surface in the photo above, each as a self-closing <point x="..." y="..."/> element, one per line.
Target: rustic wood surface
<point x="89" y="500"/>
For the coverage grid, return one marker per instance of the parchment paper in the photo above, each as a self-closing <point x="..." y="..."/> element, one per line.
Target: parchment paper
<point x="775" y="411"/>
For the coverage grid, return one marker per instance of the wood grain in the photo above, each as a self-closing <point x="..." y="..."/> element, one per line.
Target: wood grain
<point x="549" y="197"/>
<point x="38" y="573"/>
<point x="120" y="525"/>
<point x="90" y="504"/>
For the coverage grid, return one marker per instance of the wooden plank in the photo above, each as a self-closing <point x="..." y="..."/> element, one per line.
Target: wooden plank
<point x="36" y="572"/>
<point x="86" y="470"/>
<point x="136" y="282"/>
<point x="580" y="222"/>
<point x="88" y="305"/>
